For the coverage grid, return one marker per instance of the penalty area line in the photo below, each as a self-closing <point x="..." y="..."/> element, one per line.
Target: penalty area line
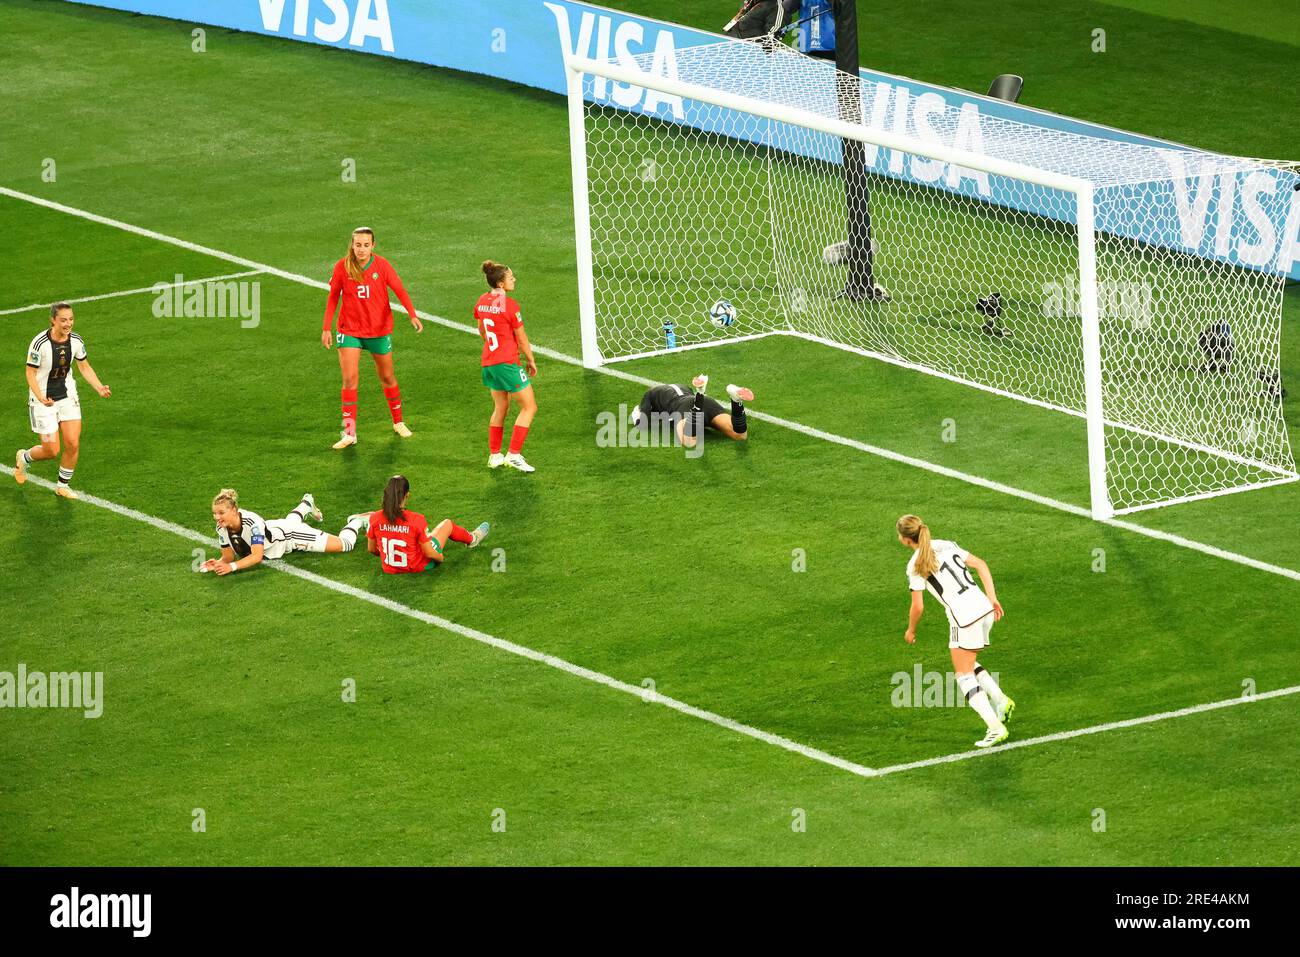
<point x="522" y="651"/>
<point x="587" y="674"/>
<point x="155" y="288"/>
<point x="1081" y="732"/>
<point x="932" y="467"/>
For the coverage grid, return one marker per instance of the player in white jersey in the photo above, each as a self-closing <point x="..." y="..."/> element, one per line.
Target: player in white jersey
<point x="943" y="569"/>
<point x="247" y="539"/>
<point x="52" y="404"/>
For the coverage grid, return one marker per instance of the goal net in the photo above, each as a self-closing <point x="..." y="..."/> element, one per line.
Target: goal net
<point x="1136" y="288"/>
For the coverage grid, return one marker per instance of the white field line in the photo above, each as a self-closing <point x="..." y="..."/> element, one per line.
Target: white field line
<point x="510" y="647"/>
<point x="156" y="287"/>
<point x="644" y="694"/>
<point x="1080" y="732"/>
<point x="1043" y="500"/>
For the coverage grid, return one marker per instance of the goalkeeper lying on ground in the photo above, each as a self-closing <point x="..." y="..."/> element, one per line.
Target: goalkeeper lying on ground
<point x="691" y="411"/>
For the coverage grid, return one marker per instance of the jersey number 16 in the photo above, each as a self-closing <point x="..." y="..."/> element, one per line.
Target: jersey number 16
<point x="394" y="555"/>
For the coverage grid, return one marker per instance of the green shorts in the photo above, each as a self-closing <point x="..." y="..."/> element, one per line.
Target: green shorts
<point x="380" y="345"/>
<point x="506" y="377"/>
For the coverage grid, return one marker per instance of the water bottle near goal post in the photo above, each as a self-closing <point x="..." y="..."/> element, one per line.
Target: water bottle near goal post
<point x="670" y="334"/>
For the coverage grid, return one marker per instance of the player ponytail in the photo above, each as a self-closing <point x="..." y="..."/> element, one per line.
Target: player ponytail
<point x="227" y="496"/>
<point x="495" y="272"/>
<point x="395" y="493"/>
<point x="351" y="263"/>
<point x="913" y="529"/>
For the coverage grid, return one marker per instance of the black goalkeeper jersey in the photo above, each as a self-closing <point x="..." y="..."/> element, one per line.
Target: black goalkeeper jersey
<point x="677" y="401"/>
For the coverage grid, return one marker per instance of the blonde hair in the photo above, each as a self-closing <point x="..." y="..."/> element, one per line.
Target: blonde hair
<point x="914" y="530"/>
<point x="351" y="263"/>
<point x="227" y="495"/>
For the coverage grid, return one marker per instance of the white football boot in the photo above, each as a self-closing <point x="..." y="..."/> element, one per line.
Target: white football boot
<point x="995" y="736"/>
<point x="740" y="393"/>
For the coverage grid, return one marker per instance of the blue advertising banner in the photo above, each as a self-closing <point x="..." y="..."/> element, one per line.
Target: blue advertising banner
<point x="1250" y="218"/>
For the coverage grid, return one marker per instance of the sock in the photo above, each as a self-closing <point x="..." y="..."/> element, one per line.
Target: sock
<point x="350" y="532"/>
<point x="300" y="513"/>
<point x="699" y="402"/>
<point x="27" y="456"/>
<point x="394" y="397"/>
<point x="496" y="434"/>
<point x="990" y="687"/>
<point x="517" y="439"/>
<point x="978" y="700"/>
<point x="738" y="421"/>
<point x="459" y="534"/>
<point x="65" y="476"/>
<point x="349" y="399"/>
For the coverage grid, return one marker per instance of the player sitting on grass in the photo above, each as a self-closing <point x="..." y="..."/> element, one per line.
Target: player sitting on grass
<point x="401" y="538"/>
<point x="246" y="538"/>
<point x="690" y="411"/>
<point x="943" y="567"/>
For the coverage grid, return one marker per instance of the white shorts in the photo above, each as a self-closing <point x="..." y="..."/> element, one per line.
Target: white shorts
<point x="973" y="637"/>
<point x="46" y="418"/>
<point x="285" y="536"/>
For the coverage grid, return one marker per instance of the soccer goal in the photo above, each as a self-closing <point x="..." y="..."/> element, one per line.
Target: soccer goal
<point x="1134" y="287"/>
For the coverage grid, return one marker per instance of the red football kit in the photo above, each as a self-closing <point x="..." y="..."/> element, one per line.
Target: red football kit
<point x="367" y="313"/>
<point x="399" y="542"/>
<point x="498" y="317"/>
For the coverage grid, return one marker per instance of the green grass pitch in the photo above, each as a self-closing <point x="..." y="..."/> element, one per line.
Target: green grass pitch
<point x="635" y="563"/>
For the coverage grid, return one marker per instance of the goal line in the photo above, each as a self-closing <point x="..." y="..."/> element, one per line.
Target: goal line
<point x="911" y="461"/>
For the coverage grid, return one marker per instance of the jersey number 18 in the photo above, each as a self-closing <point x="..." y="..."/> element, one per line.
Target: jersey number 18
<point x="965" y="574"/>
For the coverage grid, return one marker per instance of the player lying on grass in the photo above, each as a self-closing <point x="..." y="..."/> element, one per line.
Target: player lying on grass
<point x="246" y="538"/>
<point x="52" y="404"/>
<point x="361" y="281"/>
<point x="501" y="326"/>
<point x="943" y="567"/>
<point x="691" y="411"/>
<point x="401" y="538"/>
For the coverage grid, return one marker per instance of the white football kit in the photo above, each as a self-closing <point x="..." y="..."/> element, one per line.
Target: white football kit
<point x="277" y="537"/>
<point x="53" y="364"/>
<point x="970" y="613"/>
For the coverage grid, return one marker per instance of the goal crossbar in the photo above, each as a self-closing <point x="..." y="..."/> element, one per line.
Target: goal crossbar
<point x="1079" y="214"/>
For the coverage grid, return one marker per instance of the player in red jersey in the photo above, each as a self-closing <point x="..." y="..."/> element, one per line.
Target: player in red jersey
<point x="401" y="538"/>
<point x="501" y="325"/>
<point x="361" y="281"/>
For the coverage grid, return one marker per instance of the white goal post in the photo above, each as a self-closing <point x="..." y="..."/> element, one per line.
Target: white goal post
<point x="1135" y="287"/>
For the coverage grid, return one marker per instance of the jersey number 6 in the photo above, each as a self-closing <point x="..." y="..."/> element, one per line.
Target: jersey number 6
<point x="489" y="335"/>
